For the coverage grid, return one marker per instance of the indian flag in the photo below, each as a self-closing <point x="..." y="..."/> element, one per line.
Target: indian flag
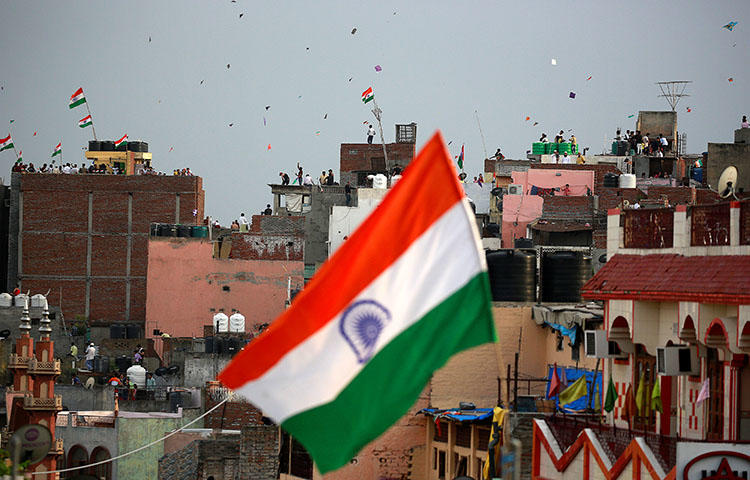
<point x="77" y="99"/>
<point x="58" y="150"/>
<point x="6" y="143"/>
<point x="19" y="159"/>
<point x="119" y="142"/>
<point x="367" y="95"/>
<point x="85" y="121"/>
<point x="405" y="292"/>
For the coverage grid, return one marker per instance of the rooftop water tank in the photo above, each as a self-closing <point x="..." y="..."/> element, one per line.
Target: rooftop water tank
<point x="221" y="322"/>
<point x="563" y="275"/>
<point x="627" y="180"/>
<point x="20" y="300"/>
<point x="378" y="181"/>
<point x="395" y="179"/>
<point x="137" y="375"/>
<point x="38" y="300"/>
<point x="6" y="300"/>
<point x="237" y="322"/>
<point x="512" y="275"/>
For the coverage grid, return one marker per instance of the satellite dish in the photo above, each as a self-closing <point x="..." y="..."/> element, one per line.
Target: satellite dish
<point x="625" y="204"/>
<point x="727" y="182"/>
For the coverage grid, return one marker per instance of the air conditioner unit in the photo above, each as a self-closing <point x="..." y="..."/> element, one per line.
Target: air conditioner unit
<point x="515" y="189"/>
<point x="597" y="345"/>
<point x="677" y="360"/>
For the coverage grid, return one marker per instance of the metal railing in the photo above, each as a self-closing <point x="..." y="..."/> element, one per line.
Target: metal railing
<point x="709" y="225"/>
<point x="651" y="228"/>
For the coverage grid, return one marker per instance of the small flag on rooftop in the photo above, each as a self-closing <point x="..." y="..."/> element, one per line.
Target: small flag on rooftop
<point x="58" y="150"/>
<point x="77" y="98"/>
<point x="85" y="121"/>
<point x="367" y="95"/>
<point x="124" y="140"/>
<point x="404" y="293"/>
<point x="6" y="143"/>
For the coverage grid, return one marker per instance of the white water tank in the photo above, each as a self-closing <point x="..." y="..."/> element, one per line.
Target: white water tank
<point x="237" y="322"/>
<point x="6" y="300"/>
<point x="20" y="300"/>
<point x="221" y="322"/>
<point x="627" y="180"/>
<point x="395" y="179"/>
<point x="378" y="181"/>
<point x="137" y="375"/>
<point x="38" y="301"/>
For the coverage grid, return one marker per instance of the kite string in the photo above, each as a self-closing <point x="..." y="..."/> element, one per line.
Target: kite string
<point x="137" y="449"/>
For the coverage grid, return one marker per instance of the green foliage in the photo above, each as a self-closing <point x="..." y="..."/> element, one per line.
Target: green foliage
<point x="6" y="463"/>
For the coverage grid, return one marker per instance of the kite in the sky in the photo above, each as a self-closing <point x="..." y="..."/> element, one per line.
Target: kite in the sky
<point x="535" y="124"/>
<point x="631" y="116"/>
<point x="269" y="147"/>
<point x="231" y="124"/>
<point x="554" y="61"/>
<point x="149" y="39"/>
<point x="378" y="68"/>
<point x="269" y="106"/>
<point x="264" y="121"/>
<point x="589" y="78"/>
<point x="241" y="14"/>
<point x="350" y="78"/>
<point x="731" y="79"/>
<point x="354" y="30"/>
<point x="572" y="94"/>
<point x="34" y="134"/>
<point x="317" y="132"/>
<point x="171" y="148"/>
<point x="325" y="116"/>
<point x="528" y="118"/>
<point x="202" y="82"/>
<point x="730" y="26"/>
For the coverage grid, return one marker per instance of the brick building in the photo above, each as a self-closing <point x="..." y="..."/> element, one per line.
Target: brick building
<point x="358" y="160"/>
<point x="84" y="238"/>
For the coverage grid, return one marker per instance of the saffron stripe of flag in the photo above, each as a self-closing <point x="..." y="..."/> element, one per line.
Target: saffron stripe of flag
<point x="58" y="150"/>
<point x="367" y="95"/>
<point x="85" y="121"/>
<point x="393" y="304"/>
<point x="77" y="99"/>
<point x="119" y="142"/>
<point x="6" y="143"/>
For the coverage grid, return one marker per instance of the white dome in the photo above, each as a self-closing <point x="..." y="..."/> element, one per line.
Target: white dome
<point x="237" y="322"/>
<point x="221" y="322"/>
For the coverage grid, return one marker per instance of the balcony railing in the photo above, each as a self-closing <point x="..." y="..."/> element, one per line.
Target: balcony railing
<point x="35" y="403"/>
<point x="17" y="361"/>
<point x="709" y="225"/>
<point x="652" y="228"/>
<point x="44" y="368"/>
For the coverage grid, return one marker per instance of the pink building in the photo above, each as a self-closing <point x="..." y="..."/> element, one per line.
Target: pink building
<point x="190" y="280"/>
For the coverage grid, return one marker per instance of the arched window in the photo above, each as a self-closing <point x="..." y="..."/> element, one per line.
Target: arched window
<point x="77" y="456"/>
<point x="103" y="471"/>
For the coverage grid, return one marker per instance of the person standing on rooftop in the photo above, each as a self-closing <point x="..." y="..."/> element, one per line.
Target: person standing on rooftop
<point x="370" y="133"/>
<point x="745" y="123"/>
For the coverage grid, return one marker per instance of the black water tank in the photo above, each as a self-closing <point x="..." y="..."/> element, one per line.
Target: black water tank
<point x="97" y="364"/>
<point x="133" y="331"/>
<point x="122" y="147"/>
<point x="161" y="371"/>
<point x="611" y="180"/>
<point x="103" y="366"/>
<point x="233" y="345"/>
<point x="512" y="275"/>
<point x="175" y="400"/>
<point x="623" y="148"/>
<point x="135" y="146"/>
<point x="218" y="345"/>
<point x="95" y="145"/>
<point x="123" y="363"/>
<point x="209" y="343"/>
<point x="523" y="243"/>
<point x="167" y="230"/>
<point x="108" y="145"/>
<point x="117" y="331"/>
<point x="563" y="275"/>
<point x="184" y="230"/>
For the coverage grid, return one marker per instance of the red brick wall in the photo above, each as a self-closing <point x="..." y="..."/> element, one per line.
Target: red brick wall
<point x="235" y="415"/>
<point x="612" y="197"/>
<point x="358" y="156"/>
<point x="270" y="238"/>
<point x="54" y="235"/>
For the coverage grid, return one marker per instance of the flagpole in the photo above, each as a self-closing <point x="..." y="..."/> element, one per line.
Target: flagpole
<point x="476" y="112"/>
<point x="11" y="141"/>
<point x="92" y="118"/>
<point x="377" y="112"/>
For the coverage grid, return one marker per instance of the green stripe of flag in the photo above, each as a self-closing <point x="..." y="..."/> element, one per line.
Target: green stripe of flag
<point x="80" y="101"/>
<point x="462" y="321"/>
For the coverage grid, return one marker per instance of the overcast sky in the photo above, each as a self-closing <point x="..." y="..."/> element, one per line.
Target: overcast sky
<point x="441" y="61"/>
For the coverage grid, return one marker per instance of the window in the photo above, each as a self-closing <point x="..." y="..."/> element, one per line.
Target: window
<point x="441" y="465"/>
<point x="103" y="471"/>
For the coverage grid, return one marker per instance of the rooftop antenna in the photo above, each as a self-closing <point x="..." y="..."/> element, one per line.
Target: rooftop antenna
<point x="673" y="91"/>
<point x="476" y="113"/>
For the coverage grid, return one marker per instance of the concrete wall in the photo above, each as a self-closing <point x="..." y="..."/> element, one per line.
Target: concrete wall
<point x="87" y="437"/>
<point x="187" y="286"/>
<point x="344" y="220"/>
<point x="201" y="368"/>
<point x="655" y="123"/>
<point x="723" y="155"/>
<point x="84" y="237"/>
<point x="316" y="223"/>
<point x="136" y="432"/>
<point x="471" y="376"/>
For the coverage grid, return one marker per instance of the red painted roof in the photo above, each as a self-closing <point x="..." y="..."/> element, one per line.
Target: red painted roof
<point x="672" y="277"/>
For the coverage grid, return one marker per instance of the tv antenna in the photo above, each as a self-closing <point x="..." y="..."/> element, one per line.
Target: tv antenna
<point x="673" y="91"/>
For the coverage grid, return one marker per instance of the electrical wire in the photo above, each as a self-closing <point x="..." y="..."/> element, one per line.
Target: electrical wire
<point x="137" y="449"/>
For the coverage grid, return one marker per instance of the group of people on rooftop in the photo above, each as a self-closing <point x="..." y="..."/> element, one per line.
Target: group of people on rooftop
<point x="644" y="144"/>
<point x="326" y="178"/>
